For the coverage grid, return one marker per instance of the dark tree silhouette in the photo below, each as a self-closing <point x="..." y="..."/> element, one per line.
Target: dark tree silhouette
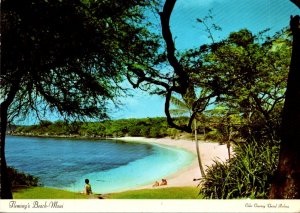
<point x="286" y="184"/>
<point x="67" y="56"/>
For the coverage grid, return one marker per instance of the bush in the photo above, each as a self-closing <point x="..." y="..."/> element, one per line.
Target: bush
<point x="21" y="179"/>
<point x="214" y="135"/>
<point x="247" y="175"/>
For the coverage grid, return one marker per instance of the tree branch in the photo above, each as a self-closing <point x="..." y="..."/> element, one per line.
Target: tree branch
<point x="167" y="35"/>
<point x="142" y="77"/>
<point x="296" y="2"/>
<point x="169" y="118"/>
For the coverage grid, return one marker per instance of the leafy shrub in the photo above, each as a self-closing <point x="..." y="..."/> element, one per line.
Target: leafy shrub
<point x="247" y="175"/>
<point x="18" y="178"/>
<point x="214" y="135"/>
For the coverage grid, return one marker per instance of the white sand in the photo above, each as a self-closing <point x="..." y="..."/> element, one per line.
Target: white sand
<point x="184" y="177"/>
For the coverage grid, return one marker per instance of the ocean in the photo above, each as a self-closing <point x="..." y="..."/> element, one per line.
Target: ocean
<point x="110" y="165"/>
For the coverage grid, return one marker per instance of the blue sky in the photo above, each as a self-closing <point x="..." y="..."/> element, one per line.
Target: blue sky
<point x="230" y="15"/>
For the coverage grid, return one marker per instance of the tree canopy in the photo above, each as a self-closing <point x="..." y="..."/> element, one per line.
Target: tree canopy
<point x="246" y="73"/>
<point x="68" y="56"/>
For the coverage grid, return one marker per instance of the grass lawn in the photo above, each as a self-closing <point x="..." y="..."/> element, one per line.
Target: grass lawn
<point x="158" y="193"/>
<point x="46" y="193"/>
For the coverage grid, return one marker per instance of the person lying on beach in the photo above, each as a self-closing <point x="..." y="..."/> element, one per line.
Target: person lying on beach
<point x="156" y="183"/>
<point x="163" y="182"/>
<point x="87" y="188"/>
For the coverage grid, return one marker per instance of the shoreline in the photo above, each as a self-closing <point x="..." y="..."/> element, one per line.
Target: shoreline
<point x="184" y="176"/>
<point x="209" y="151"/>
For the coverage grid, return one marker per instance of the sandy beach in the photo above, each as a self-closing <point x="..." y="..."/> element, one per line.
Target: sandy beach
<point x="209" y="151"/>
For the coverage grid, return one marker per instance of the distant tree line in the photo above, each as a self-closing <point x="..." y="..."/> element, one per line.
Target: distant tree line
<point x="212" y="126"/>
<point x="144" y="127"/>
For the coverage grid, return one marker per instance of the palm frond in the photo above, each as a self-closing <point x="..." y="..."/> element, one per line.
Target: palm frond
<point x="179" y="103"/>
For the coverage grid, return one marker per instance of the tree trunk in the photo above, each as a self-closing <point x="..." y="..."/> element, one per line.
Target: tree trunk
<point x="198" y="152"/>
<point x="229" y="132"/>
<point x="5" y="191"/>
<point x="204" y="131"/>
<point x="286" y="184"/>
<point x="228" y="149"/>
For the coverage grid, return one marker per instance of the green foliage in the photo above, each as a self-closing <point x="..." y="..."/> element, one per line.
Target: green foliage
<point x="145" y="127"/>
<point x="247" y="175"/>
<point x="223" y="124"/>
<point x="242" y="38"/>
<point x="214" y="135"/>
<point x="46" y="193"/>
<point x="246" y="74"/>
<point x="162" y="193"/>
<point x="20" y="179"/>
<point x="71" y="55"/>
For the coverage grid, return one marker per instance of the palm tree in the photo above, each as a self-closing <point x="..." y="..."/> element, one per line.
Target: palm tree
<point x="183" y="108"/>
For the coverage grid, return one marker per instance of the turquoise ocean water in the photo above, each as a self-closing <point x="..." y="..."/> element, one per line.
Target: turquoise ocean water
<point x="110" y="165"/>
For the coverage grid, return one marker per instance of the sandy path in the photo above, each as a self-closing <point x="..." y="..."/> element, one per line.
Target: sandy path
<point x="209" y="152"/>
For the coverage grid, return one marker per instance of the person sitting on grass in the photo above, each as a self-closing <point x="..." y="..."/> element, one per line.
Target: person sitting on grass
<point x="87" y="187"/>
<point x="163" y="182"/>
<point x="156" y="184"/>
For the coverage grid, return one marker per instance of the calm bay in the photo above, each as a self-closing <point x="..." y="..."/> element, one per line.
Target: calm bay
<point x="111" y="165"/>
